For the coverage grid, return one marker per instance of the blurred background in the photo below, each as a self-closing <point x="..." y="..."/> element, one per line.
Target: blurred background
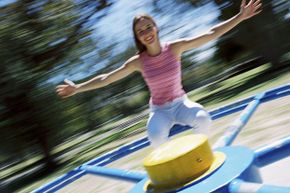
<point x="43" y="42"/>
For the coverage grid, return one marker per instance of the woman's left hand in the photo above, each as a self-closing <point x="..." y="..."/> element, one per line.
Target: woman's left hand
<point x="251" y="9"/>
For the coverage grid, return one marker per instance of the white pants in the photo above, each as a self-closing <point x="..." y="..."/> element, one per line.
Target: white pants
<point x="180" y="111"/>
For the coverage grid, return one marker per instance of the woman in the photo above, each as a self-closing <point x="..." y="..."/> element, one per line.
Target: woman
<point x="160" y="66"/>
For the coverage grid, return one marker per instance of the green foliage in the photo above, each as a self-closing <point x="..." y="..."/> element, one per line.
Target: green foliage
<point x="257" y="36"/>
<point x="35" y="37"/>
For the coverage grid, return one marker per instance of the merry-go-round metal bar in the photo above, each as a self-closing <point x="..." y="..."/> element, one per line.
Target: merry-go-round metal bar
<point x="234" y="129"/>
<point x="273" y="152"/>
<point x="240" y="186"/>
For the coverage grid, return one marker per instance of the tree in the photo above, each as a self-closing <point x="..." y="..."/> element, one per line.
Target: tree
<point x="257" y="36"/>
<point x="36" y="37"/>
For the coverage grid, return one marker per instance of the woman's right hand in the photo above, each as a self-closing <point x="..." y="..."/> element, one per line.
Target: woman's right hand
<point x="66" y="90"/>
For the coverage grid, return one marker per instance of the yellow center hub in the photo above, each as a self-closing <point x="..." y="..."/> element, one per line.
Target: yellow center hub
<point x="180" y="161"/>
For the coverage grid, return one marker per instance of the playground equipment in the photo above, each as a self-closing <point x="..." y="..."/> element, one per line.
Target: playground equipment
<point x="226" y="169"/>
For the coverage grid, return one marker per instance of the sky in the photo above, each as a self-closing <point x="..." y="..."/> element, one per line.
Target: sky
<point x="116" y="27"/>
<point x="191" y="21"/>
<point x="5" y="2"/>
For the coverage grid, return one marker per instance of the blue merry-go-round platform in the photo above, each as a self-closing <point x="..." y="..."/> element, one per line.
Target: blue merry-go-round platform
<point x="238" y="174"/>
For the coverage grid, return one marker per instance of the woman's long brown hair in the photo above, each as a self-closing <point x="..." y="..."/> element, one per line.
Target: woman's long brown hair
<point x="140" y="47"/>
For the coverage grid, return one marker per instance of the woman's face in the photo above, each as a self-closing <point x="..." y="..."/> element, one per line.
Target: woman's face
<point x="146" y="31"/>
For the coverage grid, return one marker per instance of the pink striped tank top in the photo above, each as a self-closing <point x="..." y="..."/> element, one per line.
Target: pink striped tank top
<point x="162" y="75"/>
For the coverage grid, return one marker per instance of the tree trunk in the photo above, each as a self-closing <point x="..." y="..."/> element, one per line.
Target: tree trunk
<point x="26" y="118"/>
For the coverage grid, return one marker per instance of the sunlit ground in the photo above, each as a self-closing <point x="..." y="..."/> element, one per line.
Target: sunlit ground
<point x="269" y="123"/>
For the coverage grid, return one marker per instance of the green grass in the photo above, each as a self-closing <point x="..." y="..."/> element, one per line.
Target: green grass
<point x="85" y="154"/>
<point x="239" y="87"/>
<point x="237" y="80"/>
<point x="19" y="167"/>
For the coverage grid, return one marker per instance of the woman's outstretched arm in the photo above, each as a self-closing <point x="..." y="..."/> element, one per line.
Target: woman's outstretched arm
<point x="99" y="81"/>
<point x="247" y="11"/>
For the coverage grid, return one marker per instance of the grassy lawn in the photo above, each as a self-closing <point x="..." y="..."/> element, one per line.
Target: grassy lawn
<point x="239" y="87"/>
<point x="90" y="146"/>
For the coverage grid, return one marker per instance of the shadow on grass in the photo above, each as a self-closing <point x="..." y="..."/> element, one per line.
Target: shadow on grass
<point x="36" y="175"/>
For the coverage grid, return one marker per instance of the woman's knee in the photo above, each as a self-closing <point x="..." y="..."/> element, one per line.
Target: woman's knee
<point x="194" y="115"/>
<point x="203" y="121"/>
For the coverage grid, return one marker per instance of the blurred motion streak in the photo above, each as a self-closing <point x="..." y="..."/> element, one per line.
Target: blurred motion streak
<point x="43" y="42"/>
